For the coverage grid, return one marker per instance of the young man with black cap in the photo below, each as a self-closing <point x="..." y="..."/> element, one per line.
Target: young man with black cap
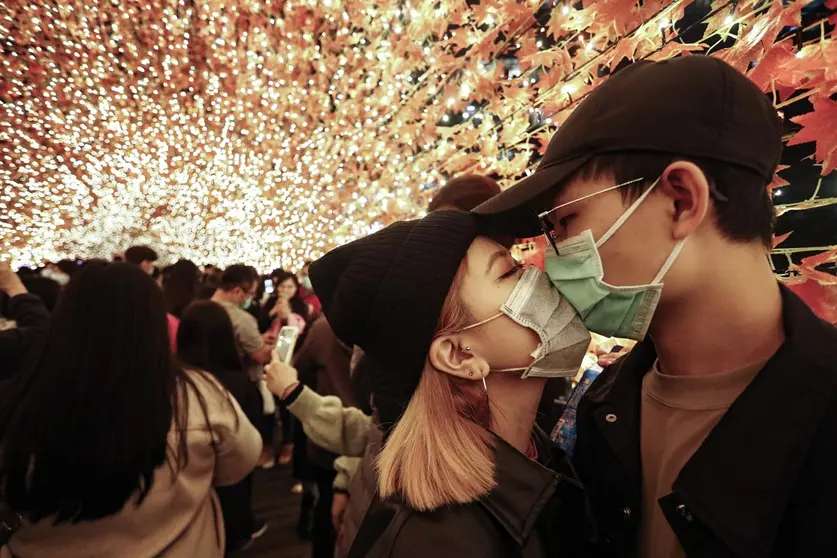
<point x="716" y="437"/>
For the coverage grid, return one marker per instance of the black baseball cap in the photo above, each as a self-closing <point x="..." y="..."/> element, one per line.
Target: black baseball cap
<point x="695" y="106"/>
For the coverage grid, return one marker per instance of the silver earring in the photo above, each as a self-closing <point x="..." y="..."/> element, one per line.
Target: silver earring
<point x="471" y="373"/>
<point x="467" y="348"/>
<point x="484" y="386"/>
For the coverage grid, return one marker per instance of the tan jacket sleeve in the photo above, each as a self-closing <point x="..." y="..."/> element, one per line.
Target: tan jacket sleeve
<point x="330" y="425"/>
<point x="345" y="467"/>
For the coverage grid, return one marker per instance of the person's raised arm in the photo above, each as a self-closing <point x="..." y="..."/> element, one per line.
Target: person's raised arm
<point x="259" y="347"/>
<point x="30" y="314"/>
<point x="330" y="425"/>
<point x="263" y="354"/>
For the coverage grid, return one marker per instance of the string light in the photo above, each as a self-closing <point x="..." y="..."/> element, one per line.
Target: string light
<point x="197" y="129"/>
<point x="270" y="132"/>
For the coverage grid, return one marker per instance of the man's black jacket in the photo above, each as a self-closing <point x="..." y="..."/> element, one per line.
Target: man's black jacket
<point x="764" y="482"/>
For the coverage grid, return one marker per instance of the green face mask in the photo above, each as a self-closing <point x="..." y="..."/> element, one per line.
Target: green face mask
<point x="575" y="269"/>
<point x="247" y="303"/>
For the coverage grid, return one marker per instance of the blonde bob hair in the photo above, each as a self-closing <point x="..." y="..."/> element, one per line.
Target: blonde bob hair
<point x="441" y="452"/>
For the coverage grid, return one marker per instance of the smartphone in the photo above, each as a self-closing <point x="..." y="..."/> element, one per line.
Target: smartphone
<point x="285" y="343"/>
<point x="268" y="286"/>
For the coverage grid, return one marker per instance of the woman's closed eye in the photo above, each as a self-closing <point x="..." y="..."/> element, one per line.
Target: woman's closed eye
<point x="517" y="267"/>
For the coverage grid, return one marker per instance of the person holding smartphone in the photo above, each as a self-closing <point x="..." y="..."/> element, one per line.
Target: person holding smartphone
<point x="285" y="307"/>
<point x="323" y="364"/>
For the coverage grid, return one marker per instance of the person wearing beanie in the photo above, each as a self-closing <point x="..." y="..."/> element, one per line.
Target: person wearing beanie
<point x="348" y="431"/>
<point x="440" y="310"/>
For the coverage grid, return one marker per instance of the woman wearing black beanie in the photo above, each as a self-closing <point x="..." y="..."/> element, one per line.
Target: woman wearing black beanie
<point x="458" y="377"/>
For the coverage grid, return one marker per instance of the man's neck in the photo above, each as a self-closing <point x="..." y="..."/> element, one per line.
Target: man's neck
<point x="732" y="321"/>
<point x="221" y="296"/>
<point x="514" y="407"/>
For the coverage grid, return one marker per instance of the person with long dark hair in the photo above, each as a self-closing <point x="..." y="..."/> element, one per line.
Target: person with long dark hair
<point x="285" y="306"/>
<point x="108" y="447"/>
<point x="206" y="341"/>
<point x="180" y="286"/>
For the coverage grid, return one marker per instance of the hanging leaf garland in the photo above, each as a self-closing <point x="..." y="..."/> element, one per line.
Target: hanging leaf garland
<point x="268" y="132"/>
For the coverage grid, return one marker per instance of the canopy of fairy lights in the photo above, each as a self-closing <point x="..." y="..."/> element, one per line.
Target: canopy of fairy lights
<point x="269" y="131"/>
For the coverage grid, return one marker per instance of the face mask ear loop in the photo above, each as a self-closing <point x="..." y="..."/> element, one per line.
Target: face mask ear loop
<point x="669" y="262"/>
<point x="625" y="216"/>
<point x="472" y="326"/>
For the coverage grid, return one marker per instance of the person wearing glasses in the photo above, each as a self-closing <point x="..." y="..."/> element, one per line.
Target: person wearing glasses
<point x="717" y="435"/>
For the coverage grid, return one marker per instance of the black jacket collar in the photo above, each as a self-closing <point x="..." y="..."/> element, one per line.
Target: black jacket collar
<point x="740" y="480"/>
<point x="523" y="487"/>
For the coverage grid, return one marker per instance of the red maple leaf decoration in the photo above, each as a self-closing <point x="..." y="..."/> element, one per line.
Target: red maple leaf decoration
<point x="770" y="65"/>
<point x="486" y="85"/>
<point x="814" y="64"/>
<point x="777" y="240"/>
<point x="675" y="49"/>
<point x="818" y="126"/>
<point x="516" y="95"/>
<point x="557" y="22"/>
<point x="516" y="14"/>
<point x="778" y="181"/>
<point x="824" y="257"/>
<point x="625" y="48"/>
<point x="614" y="18"/>
<point x="485" y="47"/>
<point x="548" y="58"/>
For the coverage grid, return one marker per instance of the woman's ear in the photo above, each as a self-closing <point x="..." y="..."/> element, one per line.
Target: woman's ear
<point x="448" y="354"/>
<point x="687" y="186"/>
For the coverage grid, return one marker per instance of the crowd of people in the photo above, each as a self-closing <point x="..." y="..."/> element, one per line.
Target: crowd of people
<point x="419" y="411"/>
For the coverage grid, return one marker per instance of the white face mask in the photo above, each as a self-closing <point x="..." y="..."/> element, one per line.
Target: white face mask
<point x="536" y="304"/>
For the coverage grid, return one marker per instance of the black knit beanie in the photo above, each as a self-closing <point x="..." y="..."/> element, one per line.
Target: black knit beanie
<point x="384" y="293"/>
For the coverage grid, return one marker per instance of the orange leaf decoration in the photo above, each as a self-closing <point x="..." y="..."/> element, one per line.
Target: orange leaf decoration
<point x="818" y="126"/>
<point x="673" y="49"/>
<point x="769" y="68"/>
<point x="819" y="259"/>
<point x="515" y="95"/>
<point x="513" y="130"/>
<point x="777" y="240"/>
<point x="625" y="48"/>
<point x="557" y="23"/>
<point x="778" y="181"/>
<point x="549" y="58"/>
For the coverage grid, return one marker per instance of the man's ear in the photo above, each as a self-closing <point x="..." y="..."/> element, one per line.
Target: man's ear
<point x="450" y="355"/>
<point x="688" y="188"/>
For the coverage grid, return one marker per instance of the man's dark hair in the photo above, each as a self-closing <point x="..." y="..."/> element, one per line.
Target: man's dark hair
<point x="138" y="254"/>
<point x="742" y="205"/>
<point x="464" y="193"/>
<point x="238" y="275"/>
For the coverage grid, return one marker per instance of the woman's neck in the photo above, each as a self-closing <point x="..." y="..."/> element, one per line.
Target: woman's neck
<point x="514" y="407"/>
